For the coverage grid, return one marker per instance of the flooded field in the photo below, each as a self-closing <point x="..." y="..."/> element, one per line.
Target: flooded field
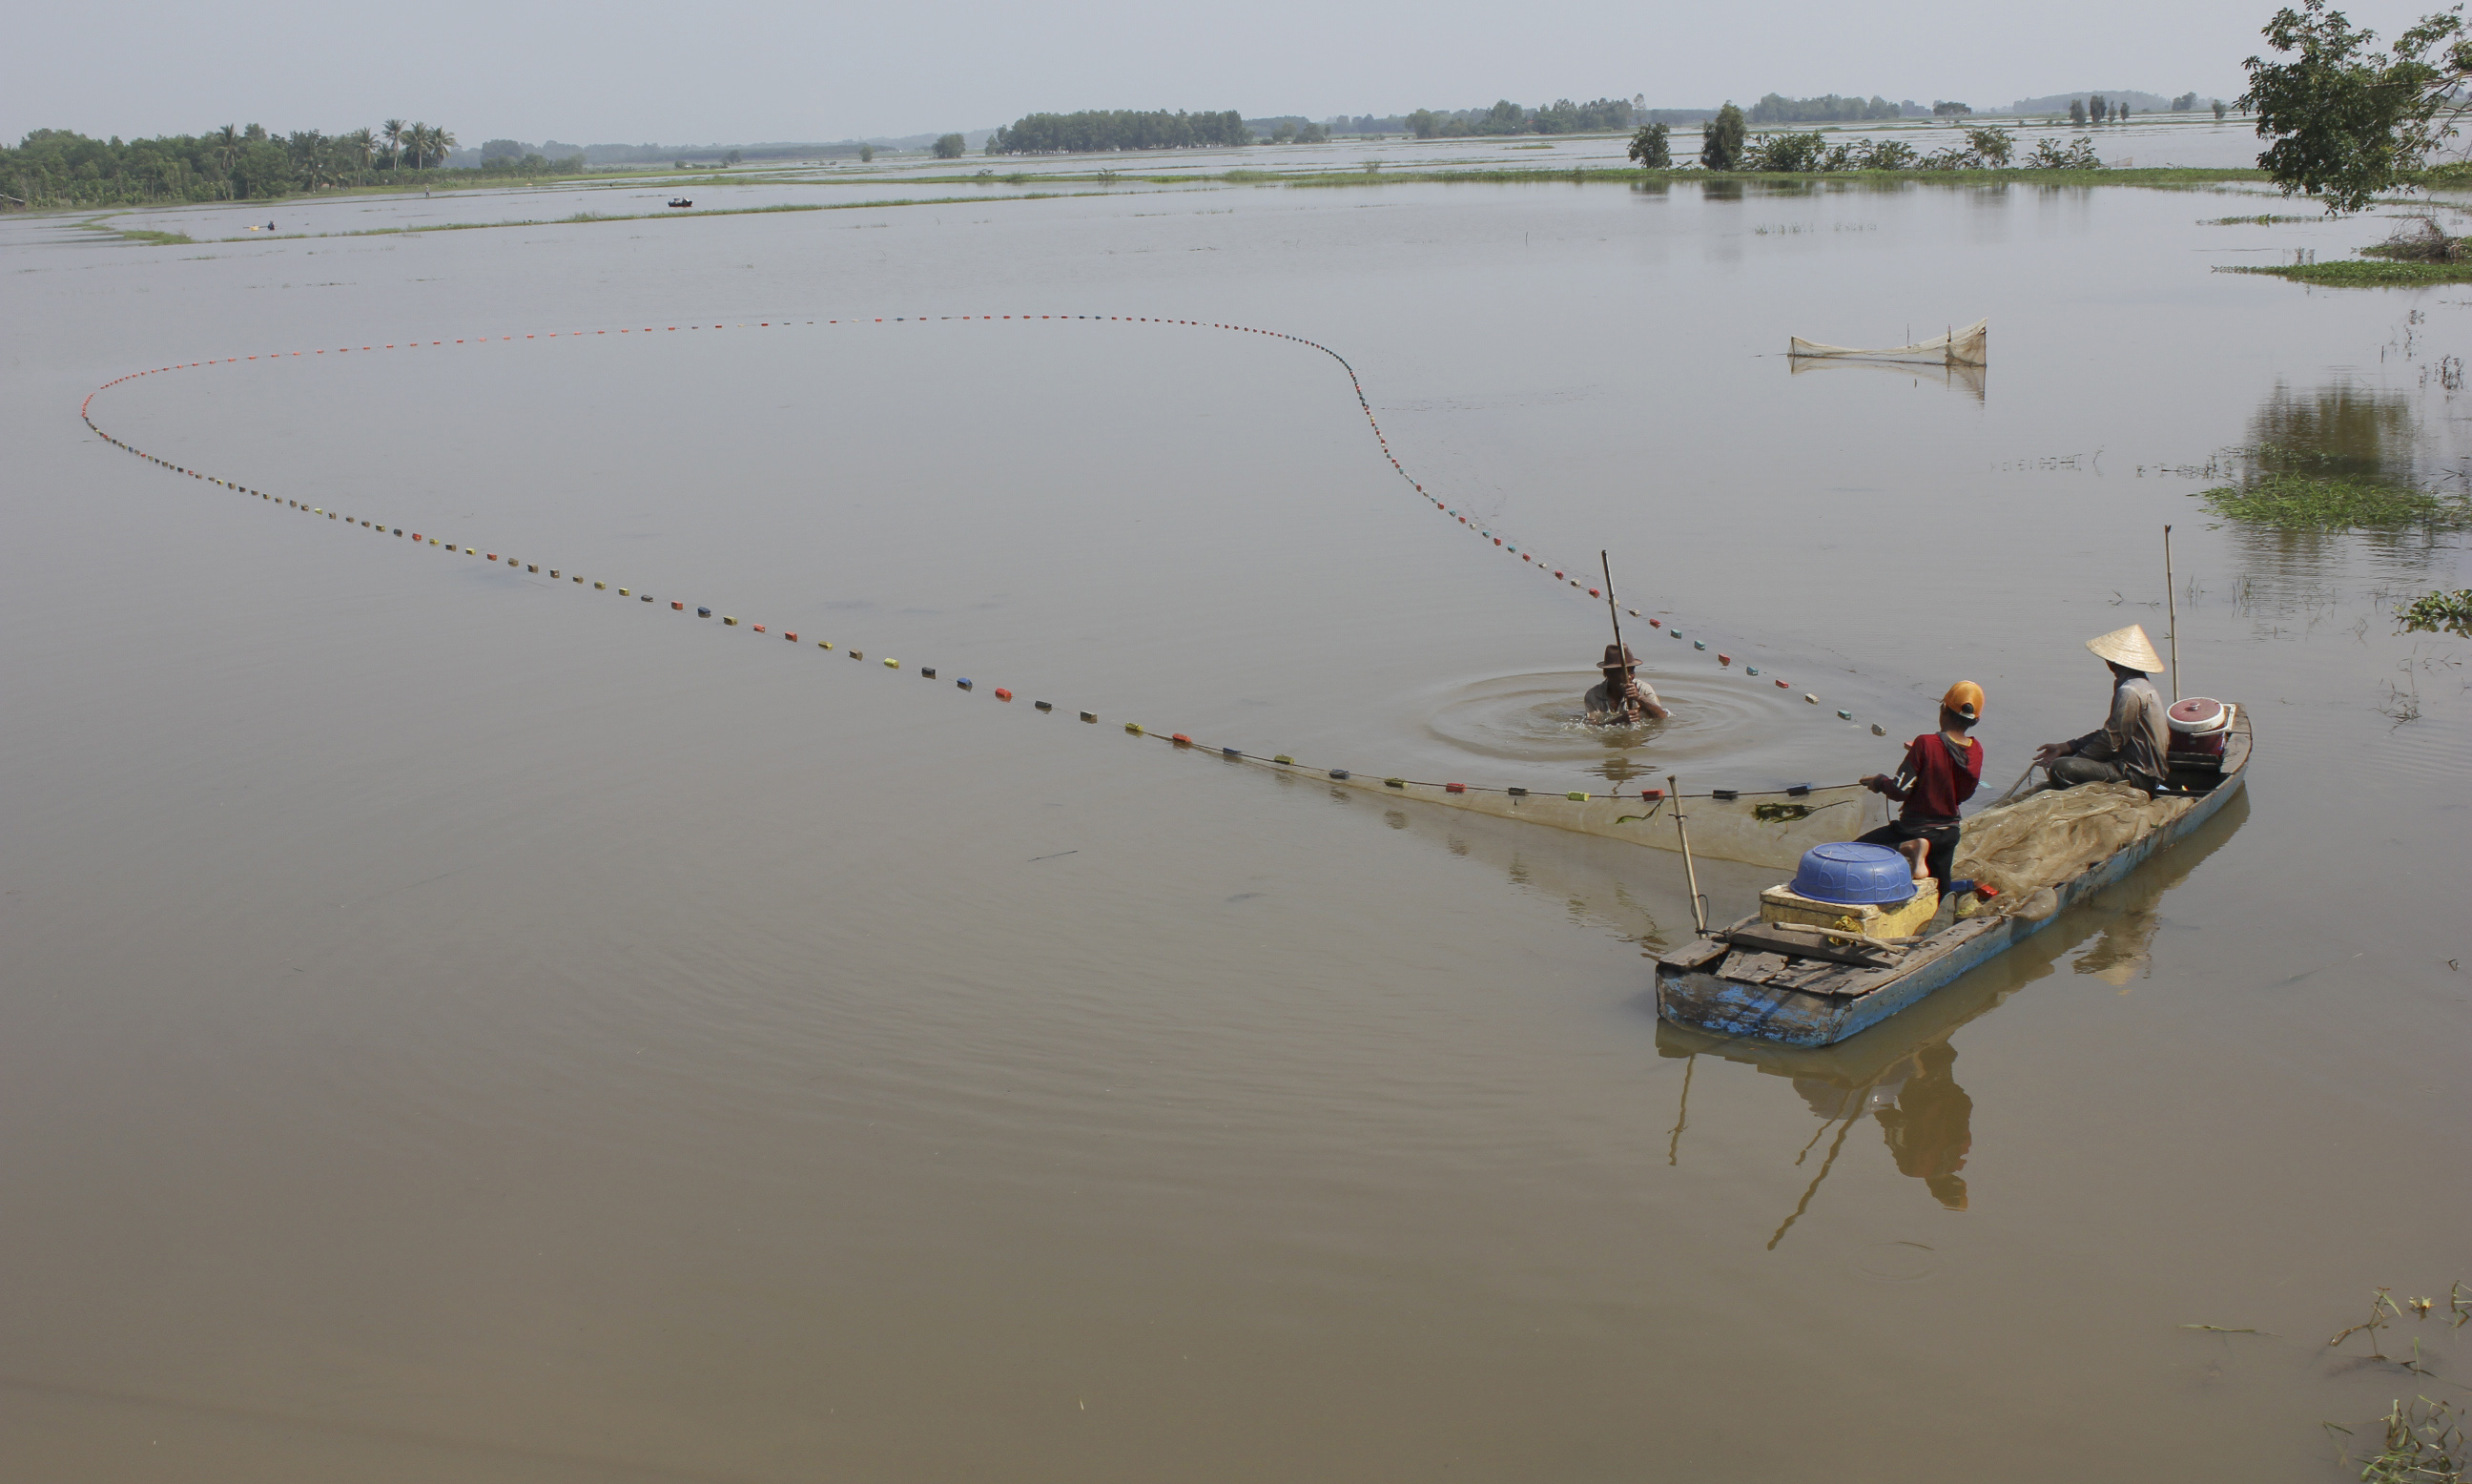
<point x="461" y="1023"/>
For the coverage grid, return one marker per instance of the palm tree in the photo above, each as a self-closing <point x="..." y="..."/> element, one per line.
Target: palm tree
<point x="227" y="151"/>
<point x="392" y="132"/>
<point x="362" y="146"/>
<point x="440" y="142"/>
<point x="308" y="149"/>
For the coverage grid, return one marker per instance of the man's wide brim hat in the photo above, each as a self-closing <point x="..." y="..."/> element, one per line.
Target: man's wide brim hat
<point x="1618" y="655"/>
<point x="2129" y="648"/>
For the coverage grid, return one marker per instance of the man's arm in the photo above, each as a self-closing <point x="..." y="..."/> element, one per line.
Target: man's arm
<point x="2095" y="744"/>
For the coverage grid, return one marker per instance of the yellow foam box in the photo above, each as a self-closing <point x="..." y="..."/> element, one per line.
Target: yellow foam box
<point x="1781" y="904"/>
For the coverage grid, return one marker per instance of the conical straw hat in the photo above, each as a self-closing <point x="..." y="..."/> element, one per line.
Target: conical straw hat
<point x="2130" y="647"/>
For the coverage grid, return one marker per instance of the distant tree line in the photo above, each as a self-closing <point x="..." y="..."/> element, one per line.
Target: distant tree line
<point x="1830" y="109"/>
<point x="1118" y="128"/>
<point x="1727" y="144"/>
<point x="2096" y="109"/>
<point x="1561" y="116"/>
<point x="507" y="158"/>
<point x="58" y="167"/>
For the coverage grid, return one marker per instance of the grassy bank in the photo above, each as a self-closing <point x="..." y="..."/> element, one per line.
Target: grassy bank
<point x="2365" y="274"/>
<point x="2179" y="178"/>
<point x="139" y="234"/>
<point x="2308" y="502"/>
<point x="2163" y="177"/>
<point x="589" y="218"/>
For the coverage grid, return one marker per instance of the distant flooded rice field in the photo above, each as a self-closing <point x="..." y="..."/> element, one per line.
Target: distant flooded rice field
<point x="463" y="1021"/>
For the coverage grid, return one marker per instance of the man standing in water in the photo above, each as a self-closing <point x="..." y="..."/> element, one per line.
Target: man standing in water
<point x="1941" y="771"/>
<point x="1621" y="698"/>
<point x="2129" y="747"/>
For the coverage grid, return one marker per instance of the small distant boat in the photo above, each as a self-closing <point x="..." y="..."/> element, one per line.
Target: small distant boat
<point x="1804" y="987"/>
<point x="1957" y="347"/>
<point x="680" y="201"/>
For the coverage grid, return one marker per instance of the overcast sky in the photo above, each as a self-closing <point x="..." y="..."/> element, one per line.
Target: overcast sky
<point x="743" y="70"/>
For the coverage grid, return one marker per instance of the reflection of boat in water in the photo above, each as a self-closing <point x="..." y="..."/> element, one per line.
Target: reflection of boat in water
<point x="1902" y="1076"/>
<point x="1809" y="986"/>
<point x="1925" y="1118"/>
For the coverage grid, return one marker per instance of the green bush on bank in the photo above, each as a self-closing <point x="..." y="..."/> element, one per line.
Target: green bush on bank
<point x="2447" y="611"/>
<point x="2308" y="502"/>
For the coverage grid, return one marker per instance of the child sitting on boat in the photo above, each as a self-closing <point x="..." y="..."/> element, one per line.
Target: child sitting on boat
<point x="1940" y="771"/>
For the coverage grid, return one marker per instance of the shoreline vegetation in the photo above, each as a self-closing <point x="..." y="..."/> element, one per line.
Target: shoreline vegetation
<point x="2360" y="272"/>
<point x="60" y="169"/>
<point x="2287" y="501"/>
<point x="1103" y="182"/>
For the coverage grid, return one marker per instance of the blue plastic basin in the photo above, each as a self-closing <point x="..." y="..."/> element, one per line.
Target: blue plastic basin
<point x="1855" y="876"/>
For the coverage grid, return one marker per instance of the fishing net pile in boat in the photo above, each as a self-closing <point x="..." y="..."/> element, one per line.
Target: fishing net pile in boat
<point x="2050" y="837"/>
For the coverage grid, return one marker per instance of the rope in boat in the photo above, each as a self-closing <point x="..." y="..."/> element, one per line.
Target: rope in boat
<point x="1723" y="659"/>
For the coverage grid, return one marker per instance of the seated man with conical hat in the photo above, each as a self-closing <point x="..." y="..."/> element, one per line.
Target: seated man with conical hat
<point x="1621" y="698"/>
<point x="2131" y="745"/>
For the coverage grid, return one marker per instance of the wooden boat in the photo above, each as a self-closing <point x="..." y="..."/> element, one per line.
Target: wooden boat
<point x="1840" y="987"/>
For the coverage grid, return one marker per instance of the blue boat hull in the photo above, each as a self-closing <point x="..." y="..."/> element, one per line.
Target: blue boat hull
<point x="1689" y="994"/>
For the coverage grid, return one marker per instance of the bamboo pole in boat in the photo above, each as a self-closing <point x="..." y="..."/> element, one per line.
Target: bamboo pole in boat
<point x="2172" y="608"/>
<point x="1689" y="873"/>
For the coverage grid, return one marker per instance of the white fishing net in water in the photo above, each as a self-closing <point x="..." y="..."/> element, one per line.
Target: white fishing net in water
<point x="2054" y="836"/>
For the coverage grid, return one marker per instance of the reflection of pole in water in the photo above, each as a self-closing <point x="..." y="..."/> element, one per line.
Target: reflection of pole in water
<point x="1681" y="1114"/>
<point x="1811" y="1189"/>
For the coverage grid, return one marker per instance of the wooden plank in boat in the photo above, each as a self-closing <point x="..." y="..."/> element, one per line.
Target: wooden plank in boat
<point x="1809" y="976"/>
<point x="1809" y="943"/>
<point x="1698" y="954"/>
<point x="1751" y="968"/>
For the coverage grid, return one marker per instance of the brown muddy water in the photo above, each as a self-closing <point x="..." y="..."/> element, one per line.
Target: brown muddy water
<point x="457" y="1026"/>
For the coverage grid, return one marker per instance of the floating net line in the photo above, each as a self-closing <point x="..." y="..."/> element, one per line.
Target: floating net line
<point x="1768" y="827"/>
